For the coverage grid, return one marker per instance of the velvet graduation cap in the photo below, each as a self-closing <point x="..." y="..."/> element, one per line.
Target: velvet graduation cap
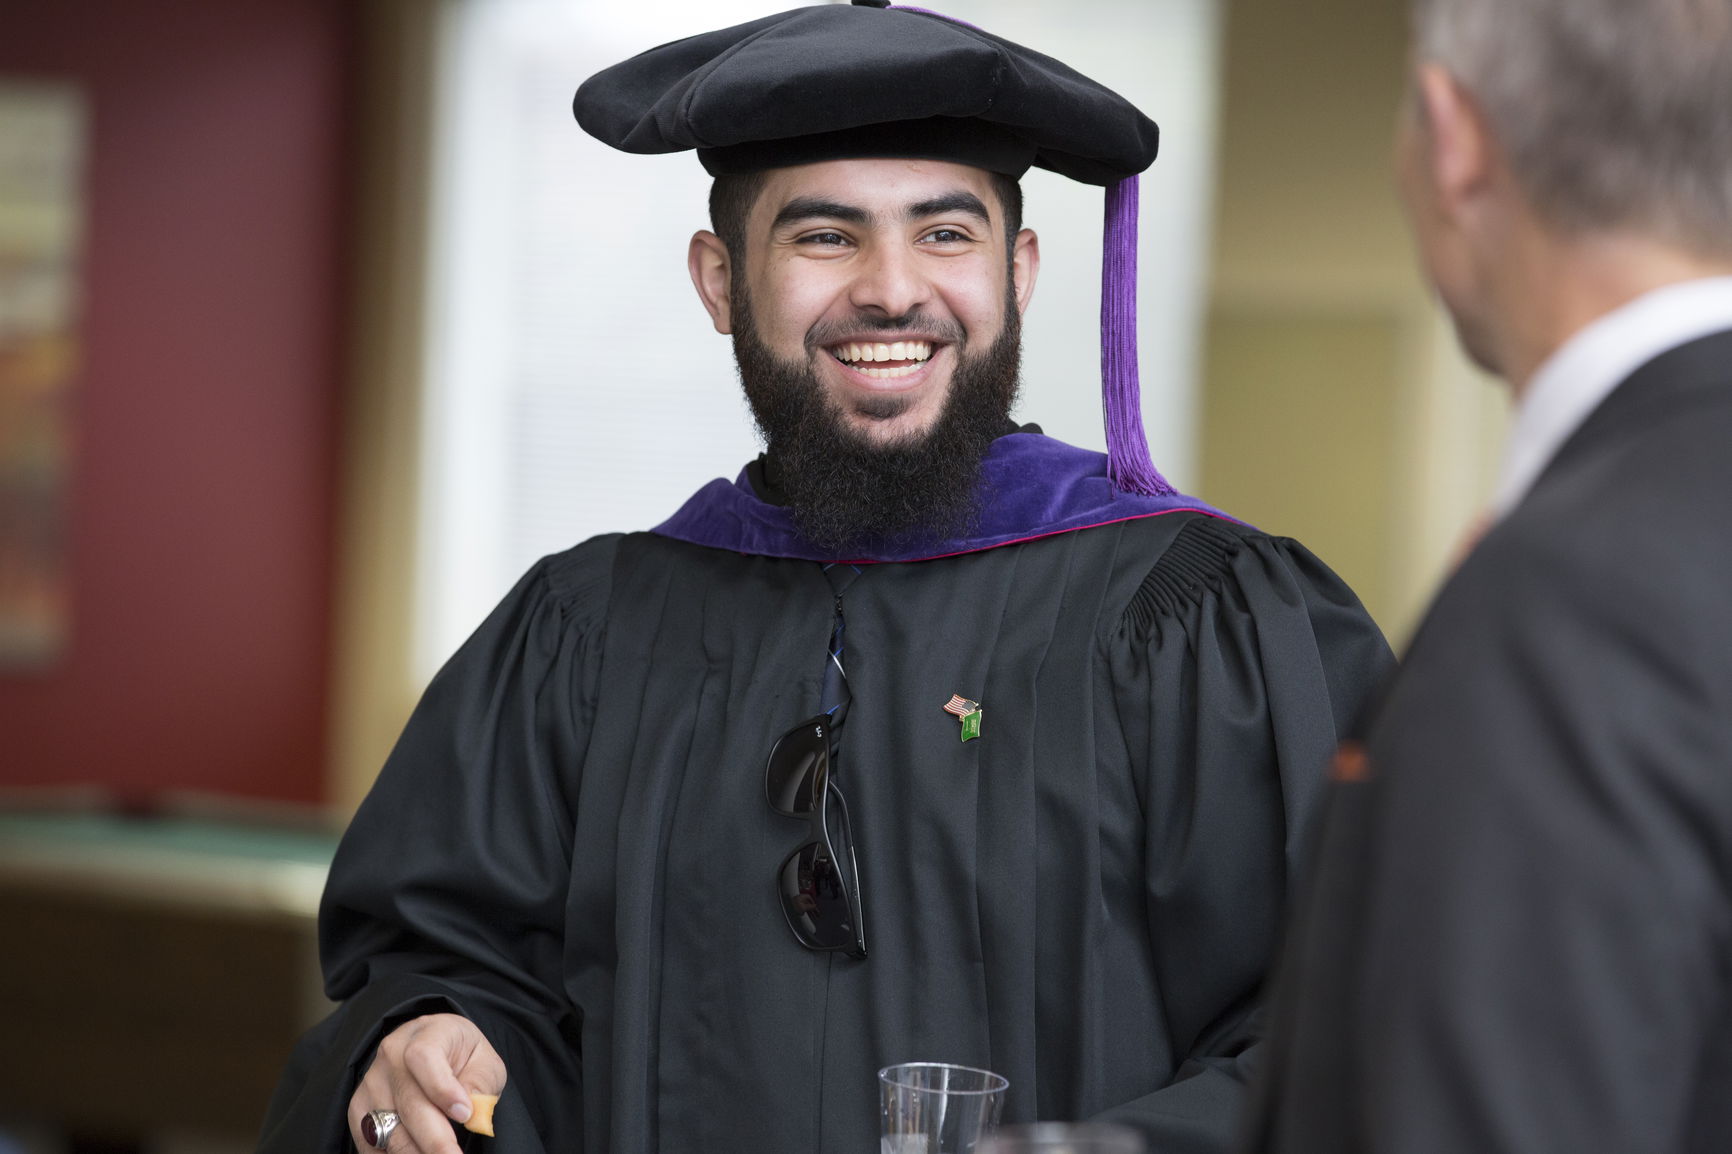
<point x="797" y="87"/>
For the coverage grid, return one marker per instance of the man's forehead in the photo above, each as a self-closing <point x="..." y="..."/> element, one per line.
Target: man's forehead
<point x="877" y="185"/>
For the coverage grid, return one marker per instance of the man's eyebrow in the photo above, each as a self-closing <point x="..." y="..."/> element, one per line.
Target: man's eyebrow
<point x="812" y="207"/>
<point x="804" y="208"/>
<point x="951" y="202"/>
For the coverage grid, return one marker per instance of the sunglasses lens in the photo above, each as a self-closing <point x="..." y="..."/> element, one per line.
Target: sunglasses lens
<point x="794" y="778"/>
<point x="815" y="900"/>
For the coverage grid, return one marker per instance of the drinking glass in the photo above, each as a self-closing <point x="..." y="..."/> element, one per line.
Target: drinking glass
<point x="938" y="1108"/>
<point x="1064" y="1138"/>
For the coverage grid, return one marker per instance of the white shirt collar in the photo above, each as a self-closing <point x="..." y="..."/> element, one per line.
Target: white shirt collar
<point x="1578" y="376"/>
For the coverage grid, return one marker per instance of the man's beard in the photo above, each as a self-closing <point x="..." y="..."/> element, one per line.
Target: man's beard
<point x="850" y="496"/>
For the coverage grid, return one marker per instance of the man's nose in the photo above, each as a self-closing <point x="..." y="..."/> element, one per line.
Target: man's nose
<point x="889" y="281"/>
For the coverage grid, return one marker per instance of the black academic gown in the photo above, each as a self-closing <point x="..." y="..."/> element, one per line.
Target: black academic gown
<point x="571" y="843"/>
<point x="1520" y="934"/>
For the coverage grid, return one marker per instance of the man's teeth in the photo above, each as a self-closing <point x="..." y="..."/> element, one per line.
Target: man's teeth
<point x="895" y="351"/>
<point x="889" y="373"/>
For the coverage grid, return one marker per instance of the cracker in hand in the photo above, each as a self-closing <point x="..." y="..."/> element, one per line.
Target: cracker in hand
<point x="481" y="1114"/>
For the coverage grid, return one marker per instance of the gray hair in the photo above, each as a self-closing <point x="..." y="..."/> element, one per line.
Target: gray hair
<point x="1614" y="114"/>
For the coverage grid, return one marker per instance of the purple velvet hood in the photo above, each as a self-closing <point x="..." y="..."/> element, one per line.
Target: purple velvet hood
<point x="1034" y="486"/>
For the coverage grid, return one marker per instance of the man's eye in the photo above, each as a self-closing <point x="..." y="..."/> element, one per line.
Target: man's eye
<point x="825" y="238"/>
<point x="948" y="236"/>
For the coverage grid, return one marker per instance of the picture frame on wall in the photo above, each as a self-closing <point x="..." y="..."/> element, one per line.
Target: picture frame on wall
<point x="42" y="150"/>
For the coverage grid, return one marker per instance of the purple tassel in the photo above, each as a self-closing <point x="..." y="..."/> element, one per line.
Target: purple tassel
<point x="1128" y="464"/>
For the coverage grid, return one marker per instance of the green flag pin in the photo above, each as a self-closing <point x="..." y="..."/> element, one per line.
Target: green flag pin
<point x="968" y="712"/>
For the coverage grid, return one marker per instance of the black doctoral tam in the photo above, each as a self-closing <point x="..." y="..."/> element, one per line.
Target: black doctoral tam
<point x="835" y="81"/>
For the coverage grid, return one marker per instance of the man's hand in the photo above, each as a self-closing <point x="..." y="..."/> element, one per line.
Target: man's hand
<point x="425" y="1070"/>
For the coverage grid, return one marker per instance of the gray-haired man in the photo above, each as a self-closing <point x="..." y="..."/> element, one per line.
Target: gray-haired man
<point x="1519" y="935"/>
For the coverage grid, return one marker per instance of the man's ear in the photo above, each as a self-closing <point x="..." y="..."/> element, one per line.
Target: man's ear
<point x="1024" y="267"/>
<point x="707" y="261"/>
<point x="1460" y="154"/>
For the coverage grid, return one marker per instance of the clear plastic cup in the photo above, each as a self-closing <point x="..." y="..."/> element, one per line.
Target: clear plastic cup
<point x="938" y="1108"/>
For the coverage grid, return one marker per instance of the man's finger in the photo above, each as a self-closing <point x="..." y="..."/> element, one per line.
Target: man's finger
<point x="421" y="1120"/>
<point x="374" y="1093"/>
<point x="483" y="1072"/>
<point x="429" y="1061"/>
<point x="427" y="1127"/>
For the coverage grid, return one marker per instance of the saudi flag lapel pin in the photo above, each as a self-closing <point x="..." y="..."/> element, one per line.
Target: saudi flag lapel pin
<point x="966" y="711"/>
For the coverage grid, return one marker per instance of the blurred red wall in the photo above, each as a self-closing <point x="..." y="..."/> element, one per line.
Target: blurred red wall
<point x="203" y="495"/>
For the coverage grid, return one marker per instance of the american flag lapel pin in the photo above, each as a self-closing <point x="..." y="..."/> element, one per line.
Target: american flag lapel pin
<point x="966" y="711"/>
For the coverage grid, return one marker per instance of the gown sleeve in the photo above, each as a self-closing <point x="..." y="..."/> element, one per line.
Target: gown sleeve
<point x="1238" y="666"/>
<point x="447" y="893"/>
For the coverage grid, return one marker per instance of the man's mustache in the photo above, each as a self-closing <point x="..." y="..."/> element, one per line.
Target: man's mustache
<point x="914" y="325"/>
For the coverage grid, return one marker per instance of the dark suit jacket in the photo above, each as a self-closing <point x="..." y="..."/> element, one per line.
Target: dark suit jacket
<point x="1518" y="935"/>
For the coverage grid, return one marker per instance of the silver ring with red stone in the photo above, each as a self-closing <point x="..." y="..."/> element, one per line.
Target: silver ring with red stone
<point x="376" y="1127"/>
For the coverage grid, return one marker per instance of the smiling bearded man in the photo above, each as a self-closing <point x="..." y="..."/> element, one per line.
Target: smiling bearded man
<point x="898" y="362"/>
<point x="848" y="492"/>
<point x="668" y="865"/>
